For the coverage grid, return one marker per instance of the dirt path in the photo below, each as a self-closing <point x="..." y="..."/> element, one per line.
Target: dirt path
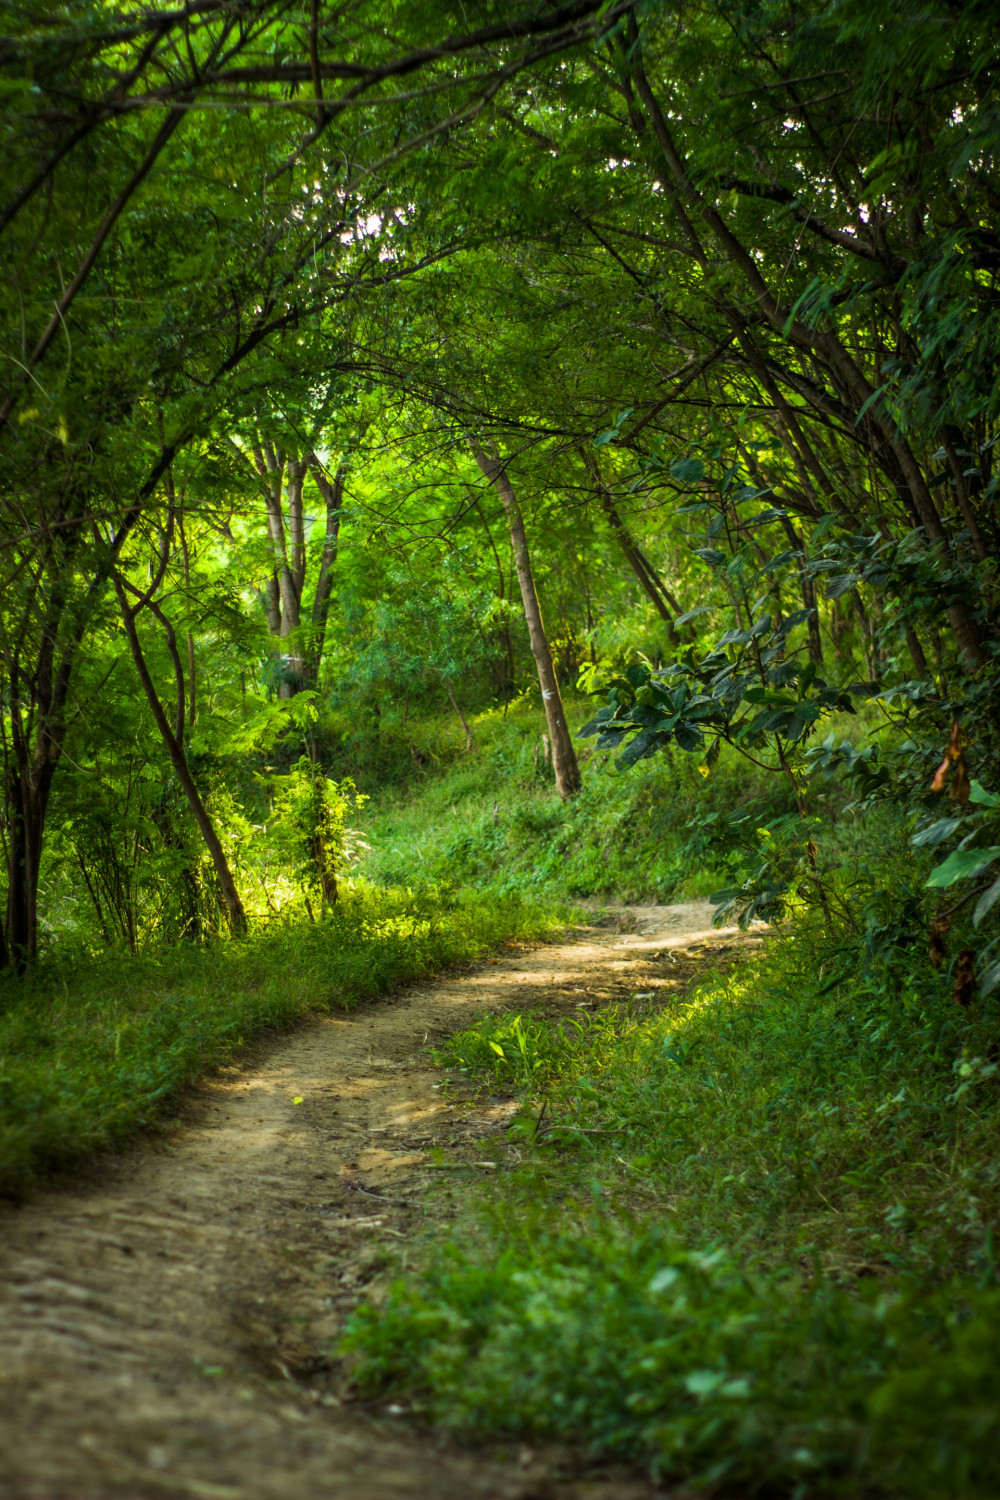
<point x="163" y="1325"/>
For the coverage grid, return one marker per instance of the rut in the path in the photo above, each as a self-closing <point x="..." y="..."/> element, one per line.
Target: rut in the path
<point x="163" y="1326"/>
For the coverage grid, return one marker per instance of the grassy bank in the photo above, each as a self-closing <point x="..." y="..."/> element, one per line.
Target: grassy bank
<point x="91" y="1050"/>
<point x="752" y="1242"/>
<point x="660" y="832"/>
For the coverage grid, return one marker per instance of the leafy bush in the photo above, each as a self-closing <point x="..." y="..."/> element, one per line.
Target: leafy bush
<point x="641" y="1347"/>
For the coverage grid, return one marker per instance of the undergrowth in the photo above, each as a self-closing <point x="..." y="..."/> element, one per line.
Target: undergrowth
<point x="747" y="1240"/>
<point x="90" y="1051"/>
<point x="661" y="832"/>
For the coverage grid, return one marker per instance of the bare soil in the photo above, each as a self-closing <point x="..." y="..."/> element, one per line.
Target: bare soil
<point x="166" y="1323"/>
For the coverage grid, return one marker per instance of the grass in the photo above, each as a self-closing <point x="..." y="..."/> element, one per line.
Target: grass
<point x="660" y="832"/>
<point x="751" y="1242"/>
<point x="92" y="1050"/>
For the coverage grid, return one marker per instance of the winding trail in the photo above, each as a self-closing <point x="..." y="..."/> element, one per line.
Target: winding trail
<point x="165" y="1322"/>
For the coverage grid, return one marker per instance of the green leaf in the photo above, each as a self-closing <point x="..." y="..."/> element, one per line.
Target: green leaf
<point x="982" y="797"/>
<point x="687" y="470"/>
<point x="986" y="903"/>
<point x="963" y="865"/>
<point x="989" y="981"/>
<point x="936" y="833"/>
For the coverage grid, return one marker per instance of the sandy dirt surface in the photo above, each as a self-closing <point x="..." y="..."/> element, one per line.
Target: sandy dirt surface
<point x="166" y="1323"/>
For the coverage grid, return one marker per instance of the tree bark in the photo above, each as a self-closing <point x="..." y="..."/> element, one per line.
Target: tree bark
<point x="567" y="771"/>
<point x="333" y="496"/>
<point x="662" y="600"/>
<point x="284" y="587"/>
<point x="192" y="681"/>
<point x="814" y="644"/>
<point x="175" y="750"/>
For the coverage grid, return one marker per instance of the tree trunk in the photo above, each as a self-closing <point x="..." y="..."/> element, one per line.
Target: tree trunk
<point x="470" y="743"/>
<point x="27" y="800"/>
<point x="333" y="495"/>
<point x="814" y="643"/>
<point x="192" y="682"/>
<point x="284" y="587"/>
<point x="564" y="761"/>
<point x="175" y="750"/>
<point x="661" y="598"/>
<point x="658" y="595"/>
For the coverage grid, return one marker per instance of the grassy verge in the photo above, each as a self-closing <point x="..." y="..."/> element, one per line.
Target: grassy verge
<point x="660" y="832"/>
<point x="90" y="1052"/>
<point x="752" y="1241"/>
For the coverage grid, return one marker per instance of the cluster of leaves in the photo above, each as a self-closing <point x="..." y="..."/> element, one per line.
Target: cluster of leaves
<point x="771" y="705"/>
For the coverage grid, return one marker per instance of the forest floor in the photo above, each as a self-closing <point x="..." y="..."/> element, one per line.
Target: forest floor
<point x="167" y="1320"/>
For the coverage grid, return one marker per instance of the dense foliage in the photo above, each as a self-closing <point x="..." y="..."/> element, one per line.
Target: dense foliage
<point x="353" y="360"/>
<point x="378" y="381"/>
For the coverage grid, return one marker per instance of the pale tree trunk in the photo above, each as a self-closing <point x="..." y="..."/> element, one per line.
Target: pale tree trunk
<point x="564" y="762"/>
<point x="284" y="587"/>
<point x="178" y="759"/>
<point x="470" y="743"/>
<point x="192" y="679"/>
<point x="332" y="492"/>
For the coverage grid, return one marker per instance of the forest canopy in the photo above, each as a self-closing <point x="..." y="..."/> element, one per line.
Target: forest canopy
<point x="360" y="358"/>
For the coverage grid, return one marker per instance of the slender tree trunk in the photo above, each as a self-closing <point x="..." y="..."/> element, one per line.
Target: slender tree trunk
<point x="175" y="750"/>
<point x="27" y="799"/>
<point x="564" y="760"/>
<point x="333" y="495"/>
<point x="810" y="602"/>
<point x="644" y="573"/>
<point x="662" y="600"/>
<point x="284" y="586"/>
<point x="192" y="682"/>
<point x="470" y="743"/>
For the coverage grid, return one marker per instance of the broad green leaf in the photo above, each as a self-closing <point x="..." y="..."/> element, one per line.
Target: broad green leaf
<point x="687" y="470"/>
<point x="963" y="865"/>
<point x="986" y="903"/>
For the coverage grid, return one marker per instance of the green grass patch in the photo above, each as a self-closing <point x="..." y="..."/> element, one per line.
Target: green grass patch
<point x="751" y="1240"/>
<point x="94" y="1049"/>
<point x="662" y="831"/>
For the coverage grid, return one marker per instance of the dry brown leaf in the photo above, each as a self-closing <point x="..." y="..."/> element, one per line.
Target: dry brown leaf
<point x="965" y="979"/>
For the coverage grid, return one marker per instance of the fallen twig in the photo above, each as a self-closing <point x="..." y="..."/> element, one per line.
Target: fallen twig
<point x="356" y="1187"/>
